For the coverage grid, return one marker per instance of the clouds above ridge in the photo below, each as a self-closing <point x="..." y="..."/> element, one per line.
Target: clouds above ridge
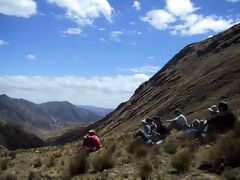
<point x="180" y="17"/>
<point x="19" y="8"/>
<point x="99" y="91"/>
<point x="3" y="43"/>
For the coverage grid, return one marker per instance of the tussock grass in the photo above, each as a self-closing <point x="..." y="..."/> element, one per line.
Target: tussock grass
<point x="145" y="168"/>
<point x="37" y="163"/>
<point x="170" y="147"/>
<point x="181" y="160"/>
<point x="8" y="176"/>
<point x="3" y="164"/>
<point x="227" y="149"/>
<point x="104" y="159"/>
<point x="78" y="164"/>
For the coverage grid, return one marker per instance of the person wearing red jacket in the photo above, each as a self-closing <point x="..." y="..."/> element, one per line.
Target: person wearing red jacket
<point x="91" y="142"/>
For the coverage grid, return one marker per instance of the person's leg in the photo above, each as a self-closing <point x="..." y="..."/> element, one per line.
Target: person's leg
<point x="143" y="135"/>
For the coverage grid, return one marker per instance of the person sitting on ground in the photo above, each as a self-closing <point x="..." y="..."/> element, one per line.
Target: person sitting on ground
<point x="91" y="142"/>
<point x="147" y="131"/>
<point x="178" y="123"/>
<point x="224" y="121"/>
<point x="161" y="129"/>
<point x="213" y="111"/>
<point x="197" y="128"/>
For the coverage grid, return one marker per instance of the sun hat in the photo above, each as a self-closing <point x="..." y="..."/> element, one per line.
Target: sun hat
<point x="91" y="132"/>
<point x="146" y="120"/>
<point x="213" y="108"/>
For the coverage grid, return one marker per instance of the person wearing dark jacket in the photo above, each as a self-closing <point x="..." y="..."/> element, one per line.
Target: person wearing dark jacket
<point x="224" y="121"/>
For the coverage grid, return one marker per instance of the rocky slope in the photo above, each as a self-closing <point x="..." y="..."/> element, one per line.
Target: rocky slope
<point x="42" y="116"/>
<point x="199" y="75"/>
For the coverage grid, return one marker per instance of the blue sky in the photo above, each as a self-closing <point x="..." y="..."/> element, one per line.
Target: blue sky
<point x="97" y="52"/>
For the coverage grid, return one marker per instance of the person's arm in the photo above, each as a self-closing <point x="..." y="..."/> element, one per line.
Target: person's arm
<point x="172" y="120"/>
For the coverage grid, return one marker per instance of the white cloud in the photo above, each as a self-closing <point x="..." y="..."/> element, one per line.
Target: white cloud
<point x="132" y="23"/>
<point x="116" y="35"/>
<point x="180" y="7"/>
<point x="233" y="1"/>
<point x="101" y="29"/>
<point x="19" y="8"/>
<point x="31" y="57"/>
<point x="72" y="31"/>
<point x="197" y="24"/>
<point x="83" y="12"/>
<point x="103" y="39"/>
<point x="137" y="5"/>
<point x="160" y="19"/>
<point x="143" y="70"/>
<point x="151" y="57"/>
<point x="3" y="43"/>
<point x="100" y="91"/>
<point x="180" y="18"/>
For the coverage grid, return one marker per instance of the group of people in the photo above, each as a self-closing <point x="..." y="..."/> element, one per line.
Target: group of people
<point x="221" y="119"/>
<point x="153" y="131"/>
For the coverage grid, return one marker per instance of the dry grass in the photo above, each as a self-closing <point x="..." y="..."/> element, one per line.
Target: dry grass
<point x="3" y="164"/>
<point x="145" y="168"/>
<point x="170" y="147"/>
<point x="8" y="176"/>
<point x="181" y="160"/>
<point x="78" y="164"/>
<point x="227" y="149"/>
<point x="37" y="163"/>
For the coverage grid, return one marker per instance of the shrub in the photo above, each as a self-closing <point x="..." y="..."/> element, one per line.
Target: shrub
<point x="145" y="169"/>
<point x="133" y="146"/>
<point x="181" y="160"/>
<point x="78" y="164"/>
<point x="142" y="151"/>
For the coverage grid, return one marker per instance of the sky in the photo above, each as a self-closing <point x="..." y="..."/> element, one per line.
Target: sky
<point x="97" y="52"/>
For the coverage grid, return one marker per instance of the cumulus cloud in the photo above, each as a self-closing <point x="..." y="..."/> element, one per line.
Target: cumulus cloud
<point x="160" y="19"/>
<point x="19" y="8"/>
<point x="31" y="57"/>
<point x="98" y="91"/>
<point x="83" y="12"/>
<point x="180" y="17"/>
<point x="143" y="69"/>
<point x="116" y="35"/>
<point x="72" y="31"/>
<point x="197" y="24"/>
<point x="180" y="7"/>
<point x="151" y="57"/>
<point x="137" y="5"/>
<point x="3" y="43"/>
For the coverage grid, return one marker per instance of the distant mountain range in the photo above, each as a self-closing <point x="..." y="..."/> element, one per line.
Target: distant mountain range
<point x="43" y="116"/>
<point x="102" y="112"/>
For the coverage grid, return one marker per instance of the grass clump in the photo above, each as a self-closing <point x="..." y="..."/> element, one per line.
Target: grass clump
<point x="104" y="160"/>
<point x="170" y="147"/>
<point x="3" y="164"/>
<point x="145" y="169"/>
<point x="8" y="176"/>
<point x="49" y="162"/>
<point x="78" y="164"/>
<point x="37" y="163"/>
<point x="227" y="149"/>
<point x="181" y="160"/>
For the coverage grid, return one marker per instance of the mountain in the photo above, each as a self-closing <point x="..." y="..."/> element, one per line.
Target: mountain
<point x="102" y="112"/>
<point x="12" y="137"/>
<point x="198" y="76"/>
<point x="43" y="116"/>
